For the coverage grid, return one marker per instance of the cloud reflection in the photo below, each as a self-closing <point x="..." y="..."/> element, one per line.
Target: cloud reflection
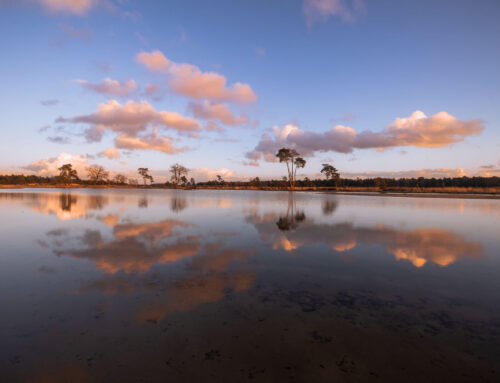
<point x="419" y="246"/>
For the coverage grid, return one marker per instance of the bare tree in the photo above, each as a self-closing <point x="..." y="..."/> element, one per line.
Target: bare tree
<point x="120" y="179"/>
<point x="144" y="173"/>
<point x="67" y="174"/>
<point x="97" y="174"/>
<point x="178" y="171"/>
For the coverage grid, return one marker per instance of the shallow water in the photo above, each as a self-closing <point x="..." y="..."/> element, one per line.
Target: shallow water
<point x="201" y="286"/>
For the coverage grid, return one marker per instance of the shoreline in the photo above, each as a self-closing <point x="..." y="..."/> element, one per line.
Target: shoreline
<point x="362" y="192"/>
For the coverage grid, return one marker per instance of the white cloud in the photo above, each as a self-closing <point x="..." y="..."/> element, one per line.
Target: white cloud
<point x="49" y="165"/>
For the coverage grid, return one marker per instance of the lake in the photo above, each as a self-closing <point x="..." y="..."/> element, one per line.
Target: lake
<point x="209" y="286"/>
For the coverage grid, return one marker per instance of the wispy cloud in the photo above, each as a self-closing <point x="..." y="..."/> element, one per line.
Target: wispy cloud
<point x="59" y="139"/>
<point x="68" y="32"/>
<point x="207" y="110"/>
<point x="111" y="87"/>
<point x="76" y="7"/>
<point x="49" y="102"/>
<point x="320" y="10"/>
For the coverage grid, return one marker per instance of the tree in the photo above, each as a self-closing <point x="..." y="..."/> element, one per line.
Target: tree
<point x="120" y="179"/>
<point x="144" y="173"/>
<point x="193" y="182"/>
<point x="255" y="182"/>
<point x="178" y="171"/>
<point x="288" y="156"/>
<point x="331" y="173"/>
<point x="381" y="184"/>
<point x="299" y="163"/>
<point x="220" y="180"/>
<point x="97" y="174"/>
<point x="184" y="180"/>
<point x="67" y="173"/>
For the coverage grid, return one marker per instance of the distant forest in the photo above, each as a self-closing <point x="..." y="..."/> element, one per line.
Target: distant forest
<point x="480" y="182"/>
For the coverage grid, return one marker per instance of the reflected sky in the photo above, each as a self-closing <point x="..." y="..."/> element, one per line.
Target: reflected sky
<point x="92" y="276"/>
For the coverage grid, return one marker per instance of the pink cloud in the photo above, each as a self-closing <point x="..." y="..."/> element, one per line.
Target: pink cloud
<point x="154" y="61"/>
<point x="111" y="87"/>
<point x="77" y="7"/>
<point x="418" y="130"/>
<point x="151" y="141"/>
<point x="132" y="118"/>
<point x="153" y="91"/>
<point x="188" y="80"/>
<point x="215" y="111"/>
<point x="137" y="124"/>
<point x="111" y="153"/>
<point x="321" y="10"/>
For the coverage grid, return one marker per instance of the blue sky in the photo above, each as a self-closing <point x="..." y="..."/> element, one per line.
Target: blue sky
<point x="313" y="64"/>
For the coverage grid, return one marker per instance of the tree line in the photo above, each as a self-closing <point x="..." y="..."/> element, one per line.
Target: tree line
<point x="98" y="175"/>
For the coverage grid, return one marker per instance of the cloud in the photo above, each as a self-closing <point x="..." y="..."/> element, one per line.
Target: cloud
<point x="137" y="125"/>
<point x="259" y="51"/>
<point x="111" y="153"/>
<point x="111" y="87"/>
<point x="188" y="80"/>
<point x="154" y="61"/>
<point x="151" y="141"/>
<point x="68" y="32"/>
<point x="427" y="173"/>
<point x="250" y="163"/>
<point x="320" y="10"/>
<point x="59" y="139"/>
<point x="76" y="7"/>
<point x="208" y="110"/>
<point x="212" y="126"/>
<point x="207" y="174"/>
<point x="49" y="102"/>
<point x="153" y="91"/>
<point x="418" y="130"/>
<point x="223" y="139"/>
<point x="49" y="165"/>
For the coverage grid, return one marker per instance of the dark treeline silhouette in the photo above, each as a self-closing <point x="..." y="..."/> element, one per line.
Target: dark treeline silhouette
<point x="481" y="182"/>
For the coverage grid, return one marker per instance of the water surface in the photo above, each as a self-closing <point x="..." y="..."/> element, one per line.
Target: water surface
<point x="200" y="286"/>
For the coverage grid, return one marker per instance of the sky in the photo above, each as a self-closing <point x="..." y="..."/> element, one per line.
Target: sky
<point x="375" y="87"/>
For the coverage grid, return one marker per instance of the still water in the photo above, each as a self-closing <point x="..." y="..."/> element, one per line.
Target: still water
<point x="214" y="286"/>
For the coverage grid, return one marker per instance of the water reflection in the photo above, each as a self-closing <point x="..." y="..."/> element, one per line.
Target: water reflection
<point x="178" y="204"/>
<point x="210" y="275"/>
<point x="65" y="206"/>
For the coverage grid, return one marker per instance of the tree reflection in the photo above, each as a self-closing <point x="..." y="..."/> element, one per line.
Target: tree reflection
<point x="143" y="202"/>
<point x="291" y="220"/>
<point x="178" y="203"/>
<point x="66" y="200"/>
<point x="329" y="206"/>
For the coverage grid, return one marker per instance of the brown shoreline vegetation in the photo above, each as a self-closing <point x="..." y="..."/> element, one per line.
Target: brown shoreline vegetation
<point x="440" y="192"/>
